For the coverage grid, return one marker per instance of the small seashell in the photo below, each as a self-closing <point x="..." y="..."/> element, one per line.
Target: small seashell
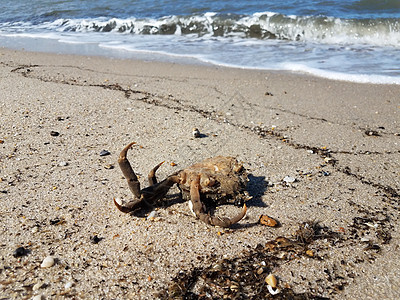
<point x="38" y="297"/>
<point x="196" y="133"/>
<point x="268" y="221"/>
<point x="271" y="280"/>
<point x="63" y="164"/>
<point x="48" y="262"/>
<point x="109" y="167"/>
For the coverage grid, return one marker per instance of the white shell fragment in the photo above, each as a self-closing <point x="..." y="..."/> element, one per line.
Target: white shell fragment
<point x="151" y="215"/>
<point x="48" y="262"/>
<point x="289" y="179"/>
<point x="68" y="285"/>
<point x="273" y="291"/>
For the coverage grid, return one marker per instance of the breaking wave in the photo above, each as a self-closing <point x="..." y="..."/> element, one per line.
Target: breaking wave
<point x="267" y="25"/>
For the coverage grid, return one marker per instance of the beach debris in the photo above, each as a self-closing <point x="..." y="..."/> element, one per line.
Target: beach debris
<point x="196" y="132"/>
<point x="173" y="164"/>
<point x="48" y="262"/>
<point x="38" y="297"/>
<point x="54" y="133"/>
<point x="370" y="132"/>
<point x="289" y="179"/>
<point x="151" y="215"/>
<point x="20" y="251"/>
<point x="69" y="285"/>
<point x="272" y="290"/>
<point x="95" y="239"/>
<point x="238" y="277"/>
<point x="217" y="180"/>
<point x="63" y="164"/>
<point x="57" y="221"/>
<point x="109" y="166"/>
<point x="271" y="280"/>
<point x="104" y="153"/>
<point x="268" y="221"/>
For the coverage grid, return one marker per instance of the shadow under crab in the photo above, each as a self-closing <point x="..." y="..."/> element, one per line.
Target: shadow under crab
<point x="214" y="181"/>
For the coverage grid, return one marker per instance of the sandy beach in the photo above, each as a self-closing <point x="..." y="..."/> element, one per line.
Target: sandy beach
<point x="320" y="154"/>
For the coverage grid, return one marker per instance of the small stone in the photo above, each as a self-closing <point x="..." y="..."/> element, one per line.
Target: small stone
<point x="48" y="262"/>
<point x="196" y="133"/>
<point x="109" y="167"/>
<point x="63" y="164"/>
<point x="20" y="251"/>
<point x="310" y="253"/>
<point x="38" y="297"/>
<point x="104" y="153"/>
<point x="268" y="221"/>
<point x="54" y="133"/>
<point x="95" y="239"/>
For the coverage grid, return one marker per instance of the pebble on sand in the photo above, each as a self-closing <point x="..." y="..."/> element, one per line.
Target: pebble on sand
<point x="196" y="132"/>
<point x="48" y="262"/>
<point x="104" y="153"/>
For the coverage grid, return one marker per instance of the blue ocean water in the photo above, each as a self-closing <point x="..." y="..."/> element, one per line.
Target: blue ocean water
<point x="356" y="40"/>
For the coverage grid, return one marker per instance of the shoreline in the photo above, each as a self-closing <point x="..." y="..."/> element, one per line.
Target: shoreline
<point x="338" y="140"/>
<point x="65" y="47"/>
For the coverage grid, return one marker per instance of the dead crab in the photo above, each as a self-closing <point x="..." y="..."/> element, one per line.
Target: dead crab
<point x="219" y="180"/>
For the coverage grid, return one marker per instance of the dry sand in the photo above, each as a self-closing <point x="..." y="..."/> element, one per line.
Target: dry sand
<point x="339" y="141"/>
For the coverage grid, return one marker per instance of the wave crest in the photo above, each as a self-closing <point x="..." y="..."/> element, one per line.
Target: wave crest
<point x="267" y="25"/>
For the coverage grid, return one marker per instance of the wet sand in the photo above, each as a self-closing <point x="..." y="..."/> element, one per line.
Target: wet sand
<point x="316" y="150"/>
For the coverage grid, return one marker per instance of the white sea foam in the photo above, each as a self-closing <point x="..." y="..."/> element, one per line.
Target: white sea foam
<point x="353" y="50"/>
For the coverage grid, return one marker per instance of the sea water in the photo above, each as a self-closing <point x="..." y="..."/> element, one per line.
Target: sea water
<point x="355" y="40"/>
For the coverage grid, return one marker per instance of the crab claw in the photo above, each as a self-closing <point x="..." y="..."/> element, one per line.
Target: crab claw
<point x="226" y="222"/>
<point x="199" y="211"/>
<point x="130" y="206"/>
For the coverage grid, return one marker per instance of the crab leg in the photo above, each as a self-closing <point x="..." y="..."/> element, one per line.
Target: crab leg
<point x="152" y="174"/>
<point x="129" y="174"/>
<point x="198" y="208"/>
